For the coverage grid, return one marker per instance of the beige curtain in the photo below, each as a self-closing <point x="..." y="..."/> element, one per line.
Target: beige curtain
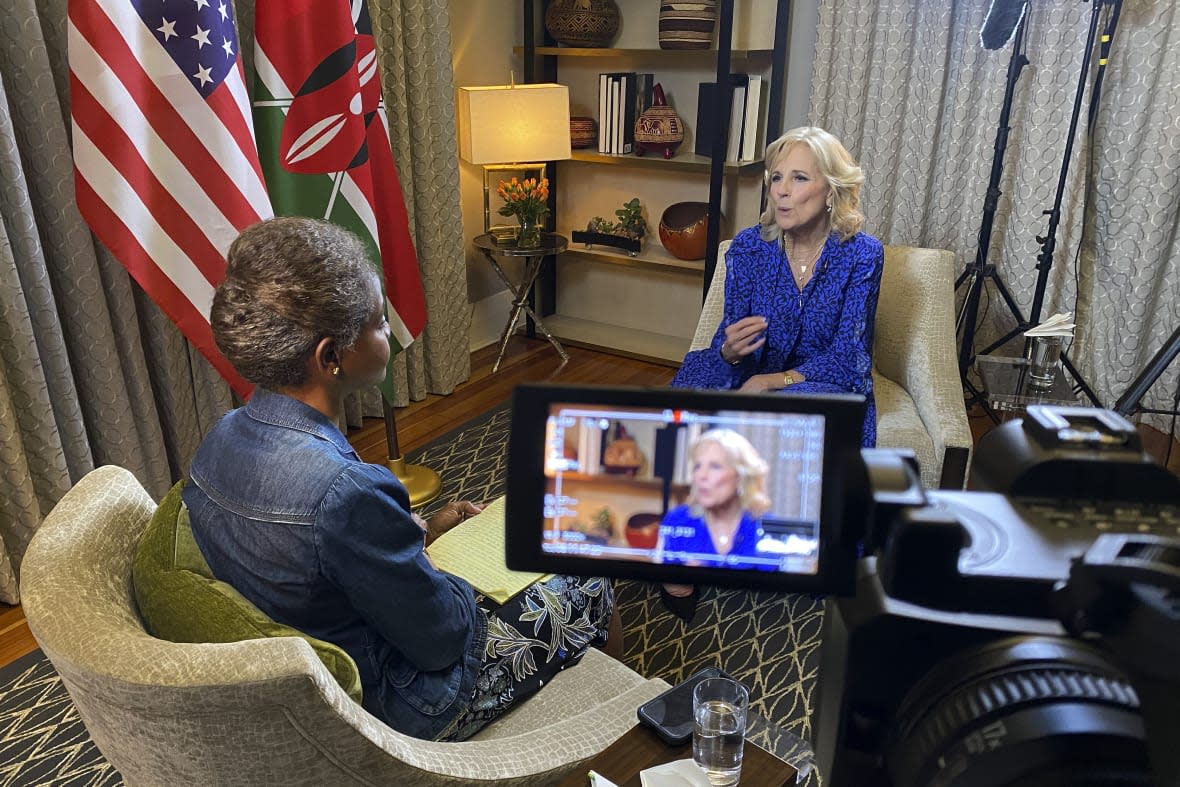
<point x="91" y="372"/>
<point x="908" y="88"/>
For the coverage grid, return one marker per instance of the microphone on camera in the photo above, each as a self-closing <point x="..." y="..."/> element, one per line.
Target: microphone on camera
<point x="1003" y="17"/>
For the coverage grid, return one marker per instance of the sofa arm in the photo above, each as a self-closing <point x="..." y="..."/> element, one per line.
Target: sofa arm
<point x="932" y="379"/>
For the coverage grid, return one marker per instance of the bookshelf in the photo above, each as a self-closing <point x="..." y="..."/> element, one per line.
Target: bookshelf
<point x="646" y="305"/>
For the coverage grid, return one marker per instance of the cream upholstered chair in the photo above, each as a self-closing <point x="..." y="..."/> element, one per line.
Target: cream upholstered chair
<point x="915" y="376"/>
<point x="264" y="711"/>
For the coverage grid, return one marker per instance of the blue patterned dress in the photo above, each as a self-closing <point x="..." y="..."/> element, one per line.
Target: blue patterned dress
<point x="825" y="331"/>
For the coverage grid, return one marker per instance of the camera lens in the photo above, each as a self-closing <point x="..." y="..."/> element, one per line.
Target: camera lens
<point x="1020" y="712"/>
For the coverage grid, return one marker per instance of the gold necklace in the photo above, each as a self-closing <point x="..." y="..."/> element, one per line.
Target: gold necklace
<point x="812" y="257"/>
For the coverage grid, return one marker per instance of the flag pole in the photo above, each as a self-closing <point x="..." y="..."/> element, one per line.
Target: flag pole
<point x="421" y="482"/>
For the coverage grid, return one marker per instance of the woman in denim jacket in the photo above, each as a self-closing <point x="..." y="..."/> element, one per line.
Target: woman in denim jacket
<point x="285" y="511"/>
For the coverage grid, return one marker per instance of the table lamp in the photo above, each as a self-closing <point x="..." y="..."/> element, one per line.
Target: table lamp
<point x="501" y="126"/>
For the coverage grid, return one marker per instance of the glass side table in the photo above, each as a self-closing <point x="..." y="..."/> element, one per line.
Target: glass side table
<point x="1009" y="388"/>
<point x="551" y="243"/>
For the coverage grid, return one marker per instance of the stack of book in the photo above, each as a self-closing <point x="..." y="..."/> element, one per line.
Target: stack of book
<point x="745" y="138"/>
<point x="622" y="97"/>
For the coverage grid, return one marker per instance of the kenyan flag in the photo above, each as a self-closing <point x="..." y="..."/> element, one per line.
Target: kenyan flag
<point x="324" y="140"/>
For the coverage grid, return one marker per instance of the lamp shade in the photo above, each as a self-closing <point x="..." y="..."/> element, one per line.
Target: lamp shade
<point x="509" y="124"/>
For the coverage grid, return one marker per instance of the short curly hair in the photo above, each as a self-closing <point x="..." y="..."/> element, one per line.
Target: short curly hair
<point x="836" y="166"/>
<point x="290" y="282"/>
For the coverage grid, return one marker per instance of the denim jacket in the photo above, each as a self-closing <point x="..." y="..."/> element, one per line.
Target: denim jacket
<point x="286" y="512"/>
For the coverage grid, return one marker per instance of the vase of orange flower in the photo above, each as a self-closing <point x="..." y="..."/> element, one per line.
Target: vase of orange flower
<point x="527" y="200"/>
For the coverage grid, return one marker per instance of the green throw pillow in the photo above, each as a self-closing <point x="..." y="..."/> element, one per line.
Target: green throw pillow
<point x="181" y="601"/>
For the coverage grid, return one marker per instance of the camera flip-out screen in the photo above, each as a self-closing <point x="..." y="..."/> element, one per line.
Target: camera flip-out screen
<point x="688" y="487"/>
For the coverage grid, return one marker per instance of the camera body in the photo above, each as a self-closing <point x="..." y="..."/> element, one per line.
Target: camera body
<point x="1025" y="635"/>
<point x="967" y="654"/>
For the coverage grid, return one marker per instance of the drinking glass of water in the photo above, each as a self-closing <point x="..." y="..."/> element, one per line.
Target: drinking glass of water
<point x="719" y="715"/>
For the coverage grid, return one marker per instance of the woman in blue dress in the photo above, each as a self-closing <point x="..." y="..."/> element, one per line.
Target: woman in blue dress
<point x="721" y="523"/>
<point x="801" y="286"/>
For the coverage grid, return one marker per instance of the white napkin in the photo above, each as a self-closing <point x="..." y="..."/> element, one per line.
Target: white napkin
<point x="681" y="773"/>
<point x="598" y="780"/>
<point x="1057" y="325"/>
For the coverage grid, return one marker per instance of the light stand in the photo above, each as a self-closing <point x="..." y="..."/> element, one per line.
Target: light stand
<point x="1128" y="403"/>
<point x="1048" y="241"/>
<point x="980" y="271"/>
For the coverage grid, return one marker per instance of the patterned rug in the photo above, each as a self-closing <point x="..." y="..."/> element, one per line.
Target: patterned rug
<point x="769" y="641"/>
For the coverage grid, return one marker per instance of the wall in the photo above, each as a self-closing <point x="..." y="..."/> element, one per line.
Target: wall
<point x="482" y="35"/>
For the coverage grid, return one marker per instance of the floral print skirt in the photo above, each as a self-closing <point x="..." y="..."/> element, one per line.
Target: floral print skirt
<point x="530" y="639"/>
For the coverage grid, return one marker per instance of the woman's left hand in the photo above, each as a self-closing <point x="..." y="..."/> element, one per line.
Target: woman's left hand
<point x="761" y="383"/>
<point x="448" y="517"/>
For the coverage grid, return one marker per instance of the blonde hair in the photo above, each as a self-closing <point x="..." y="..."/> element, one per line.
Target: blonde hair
<point x="836" y="166"/>
<point x="745" y="459"/>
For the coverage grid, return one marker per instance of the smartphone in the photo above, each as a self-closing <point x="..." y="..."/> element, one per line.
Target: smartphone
<point x="670" y="714"/>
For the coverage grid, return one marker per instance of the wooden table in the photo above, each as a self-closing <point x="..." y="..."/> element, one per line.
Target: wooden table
<point x="640" y="749"/>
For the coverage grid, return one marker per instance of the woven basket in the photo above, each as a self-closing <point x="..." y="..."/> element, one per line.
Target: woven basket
<point x="583" y="23"/>
<point x="687" y="25"/>
<point x="583" y="132"/>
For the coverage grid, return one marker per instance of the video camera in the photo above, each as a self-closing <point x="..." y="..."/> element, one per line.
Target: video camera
<point x="1024" y="638"/>
<point x="1028" y="635"/>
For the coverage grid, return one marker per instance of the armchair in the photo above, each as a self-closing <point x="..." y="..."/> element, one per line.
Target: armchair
<point x="265" y="711"/>
<point x="915" y="376"/>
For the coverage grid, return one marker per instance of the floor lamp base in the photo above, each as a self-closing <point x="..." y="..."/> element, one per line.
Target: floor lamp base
<point x="421" y="482"/>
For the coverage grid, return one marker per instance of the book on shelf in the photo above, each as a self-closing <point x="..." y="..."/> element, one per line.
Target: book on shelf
<point x="752" y="124"/>
<point x="616" y="106"/>
<point x="710" y="112"/>
<point x="603" y="108"/>
<point x="622" y="97"/>
<point x="737" y="116"/>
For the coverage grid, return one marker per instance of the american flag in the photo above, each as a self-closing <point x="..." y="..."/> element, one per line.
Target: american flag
<point x="166" y="170"/>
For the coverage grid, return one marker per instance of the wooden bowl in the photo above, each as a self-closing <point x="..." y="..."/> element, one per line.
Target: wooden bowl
<point x="643" y="531"/>
<point x="683" y="228"/>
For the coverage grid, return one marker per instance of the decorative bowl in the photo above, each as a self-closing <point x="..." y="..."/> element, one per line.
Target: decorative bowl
<point x="658" y="129"/>
<point x="683" y="228"/>
<point x="643" y="531"/>
<point x="687" y="25"/>
<point x="583" y="23"/>
<point x="583" y="132"/>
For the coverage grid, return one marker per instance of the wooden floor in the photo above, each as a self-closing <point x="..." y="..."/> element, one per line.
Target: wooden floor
<point x="527" y="360"/>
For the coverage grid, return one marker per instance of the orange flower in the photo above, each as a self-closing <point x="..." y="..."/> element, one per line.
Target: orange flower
<point x="526" y="199"/>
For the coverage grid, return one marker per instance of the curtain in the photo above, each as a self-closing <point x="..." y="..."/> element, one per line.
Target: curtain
<point x="91" y="372"/>
<point x="907" y="87"/>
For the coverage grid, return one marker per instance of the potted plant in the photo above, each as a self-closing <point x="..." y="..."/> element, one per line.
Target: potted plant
<point x="626" y="233"/>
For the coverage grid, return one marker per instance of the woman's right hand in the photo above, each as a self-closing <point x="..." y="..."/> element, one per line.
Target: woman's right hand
<point x="679" y="591"/>
<point x="743" y="337"/>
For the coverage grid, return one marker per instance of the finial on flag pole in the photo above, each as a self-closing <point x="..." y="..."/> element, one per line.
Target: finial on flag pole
<point x="421" y="482"/>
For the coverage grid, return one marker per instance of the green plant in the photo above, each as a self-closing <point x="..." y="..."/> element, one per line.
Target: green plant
<point x="631" y="222"/>
<point x="599" y="224"/>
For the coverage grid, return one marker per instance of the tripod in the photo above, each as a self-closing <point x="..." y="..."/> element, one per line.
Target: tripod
<point x="980" y="271"/>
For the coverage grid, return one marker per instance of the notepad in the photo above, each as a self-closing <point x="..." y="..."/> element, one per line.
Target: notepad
<point x="474" y="550"/>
